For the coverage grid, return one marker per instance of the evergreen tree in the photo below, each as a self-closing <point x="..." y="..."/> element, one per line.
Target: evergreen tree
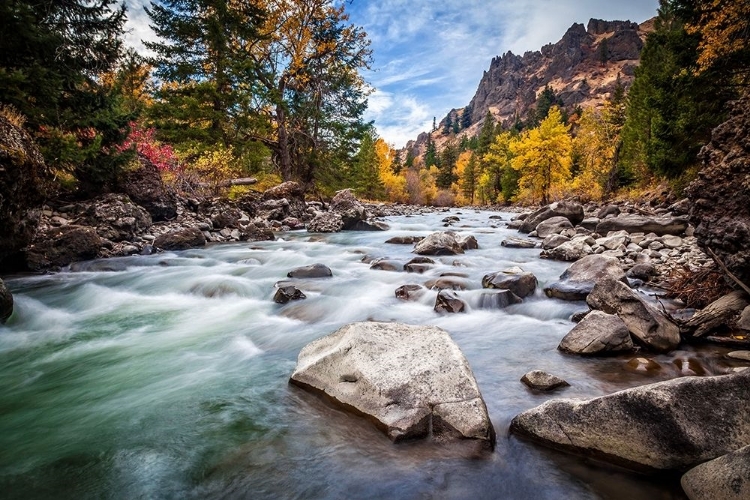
<point x="469" y="179"/>
<point x="486" y="134"/>
<point x="52" y="55"/>
<point x="448" y="127"/>
<point x="396" y="165"/>
<point x="409" y="161"/>
<point x="366" y="164"/>
<point x="434" y="124"/>
<point x="430" y="153"/>
<point x="447" y="169"/>
<point x="671" y="109"/>
<point x="455" y="126"/>
<point x="466" y="117"/>
<point x="205" y="69"/>
<point x="544" y="102"/>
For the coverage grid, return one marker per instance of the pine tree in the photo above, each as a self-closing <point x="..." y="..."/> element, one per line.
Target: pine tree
<point x="466" y="117"/>
<point x="205" y="69"/>
<point x="448" y="127"/>
<point x="430" y="153"/>
<point x="469" y="179"/>
<point x="446" y="170"/>
<point x="52" y="55"/>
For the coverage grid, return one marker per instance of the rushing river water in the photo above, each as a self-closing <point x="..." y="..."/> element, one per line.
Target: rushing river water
<point x="166" y="376"/>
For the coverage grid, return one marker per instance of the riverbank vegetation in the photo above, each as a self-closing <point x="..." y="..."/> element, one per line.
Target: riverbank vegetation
<point x="273" y="89"/>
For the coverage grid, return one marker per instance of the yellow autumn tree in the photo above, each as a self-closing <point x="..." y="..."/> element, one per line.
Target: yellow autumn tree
<point x="395" y="185"/>
<point x="595" y="148"/>
<point x="724" y="28"/>
<point x="463" y="188"/>
<point x="542" y="158"/>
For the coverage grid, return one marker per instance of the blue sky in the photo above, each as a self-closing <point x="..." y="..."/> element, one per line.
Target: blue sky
<point x="429" y="55"/>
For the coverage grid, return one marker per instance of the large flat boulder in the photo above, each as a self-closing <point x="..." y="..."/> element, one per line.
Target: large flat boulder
<point x="670" y="425"/>
<point x="725" y="478"/>
<point x="648" y="326"/>
<point x="409" y="380"/>
<point x="553" y="225"/>
<point x="642" y="224"/>
<point x="579" y="279"/>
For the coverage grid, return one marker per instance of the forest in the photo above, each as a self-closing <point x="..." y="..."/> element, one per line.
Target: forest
<point x="273" y="89"/>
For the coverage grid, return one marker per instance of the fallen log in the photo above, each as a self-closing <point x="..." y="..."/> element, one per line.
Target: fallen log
<point x="242" y="181"/>
<point x="718" y="313"/>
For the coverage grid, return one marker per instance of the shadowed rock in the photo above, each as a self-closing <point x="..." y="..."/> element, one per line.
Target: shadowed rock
<point x="311" y="271"/>
<point x="6" y="303"/>
<point x="579" y="279"/>
<point x="287" y="293"/>
<point x="514" y="279"/>
<point x="182" y="239"/>
<point x="448" y="302"/>
<point x="725" y="478"/>
<point x="539" y="380"/>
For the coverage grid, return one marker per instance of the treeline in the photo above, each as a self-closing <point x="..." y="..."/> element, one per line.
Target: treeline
<point x="695" y="61"/>
<point x="270" y="88"/>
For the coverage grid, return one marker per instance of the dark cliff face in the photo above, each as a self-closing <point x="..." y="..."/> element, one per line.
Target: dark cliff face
<point x="23" y="178"/>
<point x="720" y="196"/>
<point x="582" y="68"/>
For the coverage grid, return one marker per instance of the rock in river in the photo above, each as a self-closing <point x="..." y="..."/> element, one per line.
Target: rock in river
<point x="725" y="478"/>
<point x="514" y="279"/>
<point x="181" y="239"/>
<point x="597" y="333"/>
<point x="542" y="381"/>
<point x="286" y="293"/>
<point x="579" y="279"/>
<point x="440" y="243"/>
<point x="311" y="271"/>
<point x="675" y="424"/>
<point x="649" y="326"/>
<point x="407" y="379"/>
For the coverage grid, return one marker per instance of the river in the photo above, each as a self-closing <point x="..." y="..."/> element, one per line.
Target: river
<point x="166" y="376"/>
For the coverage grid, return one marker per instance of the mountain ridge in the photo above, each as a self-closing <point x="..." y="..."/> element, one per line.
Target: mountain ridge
<point x="582" y="68"/>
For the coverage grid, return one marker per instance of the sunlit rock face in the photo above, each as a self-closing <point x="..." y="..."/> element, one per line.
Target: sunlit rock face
<point x="411" y="381"/>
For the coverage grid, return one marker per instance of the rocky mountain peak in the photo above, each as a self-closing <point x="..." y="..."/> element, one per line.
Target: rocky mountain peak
<point x="582" y="68"/>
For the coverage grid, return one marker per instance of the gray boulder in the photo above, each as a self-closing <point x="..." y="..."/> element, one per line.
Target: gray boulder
<point x="325" y="222"/>
<point x="349" y="208"/>
<point x="404" y="240"/>
<point x="418" y="265"/>
<point x="116" y="217"/>
<point x="409" y="380"/>
<point x="468" y="242"/>
<point x="514" y="279"/>
<point x="596" y="334"/>
<point x="410" y="292"/>
<point x="579" y="279"/>
<point x="448" y="302"/>
<point x="286" y="293"/>
<point x="568" y="209"/>
<point x="553" y="225"/>
<point x="311" y="271"/>
<point x="647" y="325"/>
<point x="60" y="246"/>
<point x="642" y="224"/>
<point x="440" y="243"/>
<point x="542" y="381"/>
<point x="518" y="243"/>
<point x="576" y="248"/>
<point x="554" y="241"/>
<point x="669" y="425"/>
<point x="6" y="303"/>
<point x="725" y="478"/>
<point x="181" y="239"/>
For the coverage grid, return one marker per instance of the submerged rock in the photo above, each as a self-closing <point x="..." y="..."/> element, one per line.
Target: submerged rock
<point x="669" y="425"/>
<point x="499" y="299"/>
<point x="725" y="478"/>
<point x="409" y="380"/>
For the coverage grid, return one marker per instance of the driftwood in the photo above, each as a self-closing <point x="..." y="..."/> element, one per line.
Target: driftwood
<point x="717" y="313"/>
<point x="727" y="271"/>
<point x="242" y="181"/>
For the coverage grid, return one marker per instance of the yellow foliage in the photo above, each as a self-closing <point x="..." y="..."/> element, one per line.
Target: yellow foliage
<point x="214" y="166"/>
<point x="724" y="28"/>
<point x="395" y="185"/>
<point x="11" y="114"/>
<point x="595" y="147"/>
<point x="542" y="157"/>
